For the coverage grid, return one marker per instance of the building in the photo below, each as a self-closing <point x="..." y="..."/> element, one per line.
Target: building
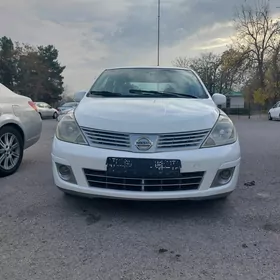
<point x="235" y="100"/>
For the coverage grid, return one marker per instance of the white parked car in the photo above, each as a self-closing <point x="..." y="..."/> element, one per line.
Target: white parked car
<point x="20" y="128"/>
<point x="46" y="111"/>
<point x="274" y="112"/>
<point x="147" y="133"/>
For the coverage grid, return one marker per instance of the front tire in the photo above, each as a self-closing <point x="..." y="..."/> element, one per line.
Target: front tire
<point x="55" y="115"/>
<point x="11" y="150"/>
<point x="269" y="117"/>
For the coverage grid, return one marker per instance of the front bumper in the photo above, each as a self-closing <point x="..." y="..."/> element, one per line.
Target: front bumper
<point x="209" y="160"/>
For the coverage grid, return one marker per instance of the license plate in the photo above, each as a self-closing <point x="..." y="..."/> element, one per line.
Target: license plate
<point x="143" y="168"/>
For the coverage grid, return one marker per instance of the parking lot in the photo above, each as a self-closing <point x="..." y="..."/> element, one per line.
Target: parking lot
<point x="45" y="235"/>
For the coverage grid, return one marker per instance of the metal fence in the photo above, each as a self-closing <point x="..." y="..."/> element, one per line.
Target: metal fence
<point x="248" y="110"/>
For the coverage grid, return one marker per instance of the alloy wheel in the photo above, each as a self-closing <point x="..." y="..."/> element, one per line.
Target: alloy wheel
<point x="9" y="151"/>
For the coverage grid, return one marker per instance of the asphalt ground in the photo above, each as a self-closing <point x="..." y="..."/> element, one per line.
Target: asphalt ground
<point x="45" y="235"/>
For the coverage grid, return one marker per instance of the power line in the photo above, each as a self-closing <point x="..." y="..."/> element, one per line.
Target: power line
<point x="158" y="33"/>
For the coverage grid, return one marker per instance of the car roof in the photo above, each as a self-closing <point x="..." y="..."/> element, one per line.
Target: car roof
<point x="149" y="67"/>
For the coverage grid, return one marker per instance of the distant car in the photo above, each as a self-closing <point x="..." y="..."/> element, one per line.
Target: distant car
<point x="274" y="112"/>
<point x="65" y="108"/>
<point x="20" y="128"/>
<point x="46" y="111"/>
<point x="147" y="133"/>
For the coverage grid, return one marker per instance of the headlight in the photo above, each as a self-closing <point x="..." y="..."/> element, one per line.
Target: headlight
<point x="69" y="131"/>
<point x="223" y="133"/>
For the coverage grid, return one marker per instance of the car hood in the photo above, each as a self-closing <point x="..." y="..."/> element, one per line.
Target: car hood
<point x="147" y="115"/>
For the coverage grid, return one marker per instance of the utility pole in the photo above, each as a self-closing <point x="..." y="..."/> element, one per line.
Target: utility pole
<point x="158" y="32"/>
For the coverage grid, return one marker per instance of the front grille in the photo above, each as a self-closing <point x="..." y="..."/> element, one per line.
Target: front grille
<point x="106" y="138"/>
<point x="187" y="181"/>
<point x="165" y="142"/>
<point x="183" y="140"/>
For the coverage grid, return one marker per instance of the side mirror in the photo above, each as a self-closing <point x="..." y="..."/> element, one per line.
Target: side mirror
<point x="219" y="99"/>
<point x="78" y="96"/>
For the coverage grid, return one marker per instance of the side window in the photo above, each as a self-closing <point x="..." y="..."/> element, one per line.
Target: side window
<point x="40" y="105"/>
<point x="278" y="104"/>
<point x="46" y="106"/>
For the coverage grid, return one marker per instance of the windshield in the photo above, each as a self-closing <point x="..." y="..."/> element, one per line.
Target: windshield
<point x="160" y="82"/>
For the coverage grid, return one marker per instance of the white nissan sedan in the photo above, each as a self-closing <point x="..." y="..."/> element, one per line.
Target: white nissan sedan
<point x="147" y="133"/>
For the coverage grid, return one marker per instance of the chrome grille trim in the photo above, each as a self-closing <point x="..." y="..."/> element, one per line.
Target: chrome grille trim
<point x="183" y="140"/>
<point x="162" y="142"/>
<point x="187" y="181"/>
<point x="107" y="139"/>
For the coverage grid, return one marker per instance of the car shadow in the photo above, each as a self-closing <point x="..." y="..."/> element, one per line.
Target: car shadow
<point x="98" y="207"/>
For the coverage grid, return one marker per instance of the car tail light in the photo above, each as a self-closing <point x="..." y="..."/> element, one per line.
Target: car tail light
<point x="33" y="105"/>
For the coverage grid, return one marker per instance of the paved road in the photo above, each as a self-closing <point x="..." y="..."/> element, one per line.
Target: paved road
<point x="44" y="235"/>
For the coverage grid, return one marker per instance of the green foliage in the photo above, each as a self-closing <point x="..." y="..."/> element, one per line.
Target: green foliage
<point x="7" y="62"/>
<point x="260" y="96"/>
<point x="31" y="71"/>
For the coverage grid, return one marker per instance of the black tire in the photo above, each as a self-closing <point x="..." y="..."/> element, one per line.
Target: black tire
<point x="55" y="115"/>
<point x="269" y="117"/>
<point x="17" y="135"/>
<point x="41" y="116"/>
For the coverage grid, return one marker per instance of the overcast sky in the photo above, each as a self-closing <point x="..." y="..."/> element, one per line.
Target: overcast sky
<point x="94" y="34"/>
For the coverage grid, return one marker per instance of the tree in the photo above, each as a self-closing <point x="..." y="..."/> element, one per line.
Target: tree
<point x="251" y="64"/>
<point x="31" y="73"/>
<point x="53" y="82"/>
<point x="206" y="66"/>
<point x="181" y="62"/>
<point x="7" y="62"/>
<point x="272" y="76"/>
<point x="220" y="73"/>
<point x="256" y="35"/>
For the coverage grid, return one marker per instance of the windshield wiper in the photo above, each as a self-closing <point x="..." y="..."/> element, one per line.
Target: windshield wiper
<point x="163" y="94"/>
<point x="105" y="93"/>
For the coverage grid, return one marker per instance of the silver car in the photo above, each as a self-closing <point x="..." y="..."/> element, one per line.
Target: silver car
<point x="46" y="111"/>
<point x="20" y="128"/>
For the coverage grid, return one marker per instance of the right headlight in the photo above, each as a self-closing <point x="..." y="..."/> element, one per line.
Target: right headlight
<point x="223" y="133"/>
<point x="69" y="131"/>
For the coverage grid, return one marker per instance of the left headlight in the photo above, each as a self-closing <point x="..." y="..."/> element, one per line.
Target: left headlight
<point x="223" y="133"/>
<point x="68" y="130"/>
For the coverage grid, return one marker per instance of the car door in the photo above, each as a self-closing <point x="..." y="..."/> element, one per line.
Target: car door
<point x="41" y="109"/>
<point x="274" y="109"/>
<point x="45" y="110"/>
<point x="49" y="110"/>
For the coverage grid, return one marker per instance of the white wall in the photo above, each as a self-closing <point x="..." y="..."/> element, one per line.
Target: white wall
<point x="237" y="102"/>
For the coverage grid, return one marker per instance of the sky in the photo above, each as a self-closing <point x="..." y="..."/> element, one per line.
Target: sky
<point x="95" y="34"/>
